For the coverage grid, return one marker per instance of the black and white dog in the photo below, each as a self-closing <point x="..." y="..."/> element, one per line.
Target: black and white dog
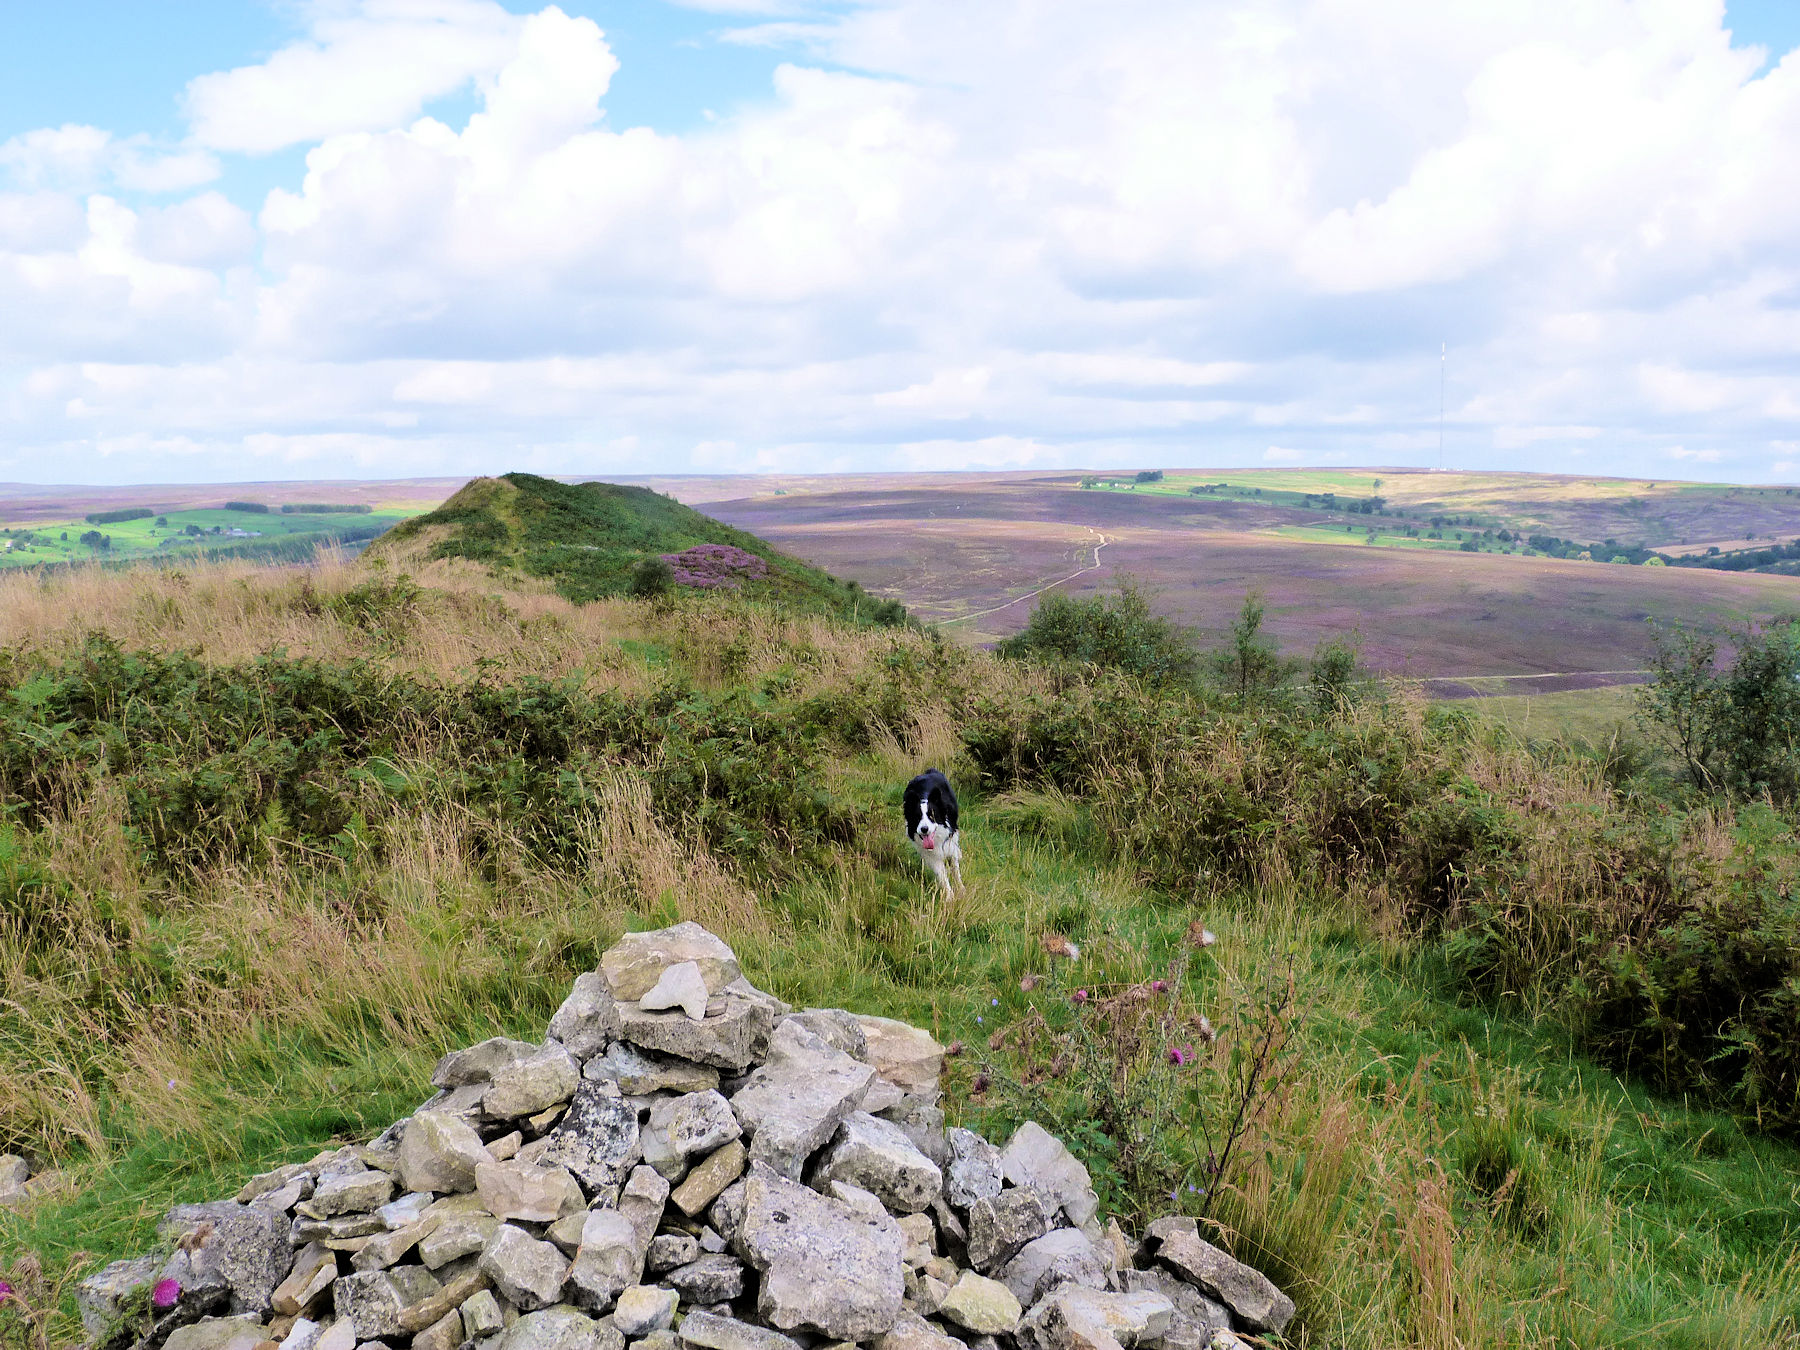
<point x="930" y="808"/>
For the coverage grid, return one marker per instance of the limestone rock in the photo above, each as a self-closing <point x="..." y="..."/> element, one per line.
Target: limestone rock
<point x="984" y="1306"/>
<point x="529" y="1274"/>
<point x="681" y="986"/>
<point x="1196" y="1316"/>
<point x="516" y="1190"/>
<point x="1061" y="1256"/>
<point x="244" y="1247"/>
<point x="481" y="1316"/>
<point x="706" y="1182"/>
<point x="634" y="964"/>
<point x="101" y="1295"/>
<point x="698" y="1122"/>
<point x="836" y="1028"/>
<point x="642" y="1201"/>
<point x="479" y="1063"/>
<point x="440" y="1152"/>
<point x="876" y="1155"/>
<point x="731" y="1038"/>
<point x="907" y="1056"/>
<point x="670" y="1250"/>
<point x="1253" y="1300"/>
<point x="560" y="1328"/>
<point x="793" y="1103"/>
<point x="350" y="1193"/>
<point x="597" y="1138"/>
<point x="644" y="1308"/>
<point x="638" y="1073"/>
<point x="1000" y="1227"/>
<point x="708" y="1279"/>
<point x="974" y="1171"/>
<point x="1037" y="1159"/>
<point x="609" y="1260"/>
<point x="912" y="1332"/>
<point x="314" y="1269"/>
<point x="1073" y="1318"/>
<point x="533" y="1084"/>
<point x="708" y="1331"/>
<point x="823" y="1269"/>
<point x="397" y="1214"/>
<point x="919" y="1118"/>
<point x="455" y="1236"/>
<point x="372" y="1301"/>
<point x="588" y="1018"/>
<point x="444" y="1334"/>
<point x="215" y="1333"/>
<point x="384" y="1249"/>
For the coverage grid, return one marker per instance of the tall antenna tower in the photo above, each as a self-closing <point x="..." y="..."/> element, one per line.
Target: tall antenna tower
<point x="1443" y="358"/>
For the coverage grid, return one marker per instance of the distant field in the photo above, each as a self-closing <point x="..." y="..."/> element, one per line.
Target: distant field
<point x="960" y="547"/>
<point x="40" y="526"/>
<point x="1655" y="513"/>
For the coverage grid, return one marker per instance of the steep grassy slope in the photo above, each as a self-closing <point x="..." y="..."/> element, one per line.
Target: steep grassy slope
<point x="585" y="539"/>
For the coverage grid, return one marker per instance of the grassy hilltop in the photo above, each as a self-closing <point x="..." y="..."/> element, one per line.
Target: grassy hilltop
<point x="273" y="839"/>
<point x="586" y="538"/>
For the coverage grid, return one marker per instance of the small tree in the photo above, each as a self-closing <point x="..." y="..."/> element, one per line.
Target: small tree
<point x="1333" y="673"/>
<point x="1249" y="662"/>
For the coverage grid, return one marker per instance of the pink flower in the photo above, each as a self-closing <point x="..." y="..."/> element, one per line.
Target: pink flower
<point x="1160" y="986"/>
<point x="1181" y="1055"/>
<point x="1080" y="996"/>
<point x="165" y="1294"/>
<point x="6" y="1291"/>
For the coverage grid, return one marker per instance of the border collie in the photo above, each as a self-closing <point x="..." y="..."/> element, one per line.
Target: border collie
<point x="930" y="808"/>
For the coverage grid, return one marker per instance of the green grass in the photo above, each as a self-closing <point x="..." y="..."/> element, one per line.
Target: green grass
<point x="1645" y="1215"/>
<point x="1592" y="715"/>
<point x="138" y="539"/>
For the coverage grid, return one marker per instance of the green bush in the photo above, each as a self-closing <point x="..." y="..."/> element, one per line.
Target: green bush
<point x="1116" y="632"/>
<point x="120" y="516"/>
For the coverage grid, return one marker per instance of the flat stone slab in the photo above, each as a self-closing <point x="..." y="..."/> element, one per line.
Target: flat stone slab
<point x="824" y="1268"/>
<point x="733" y="1037"/>
<point x="1250" y="1295"/>
<point x="876" y="1155"/>
<point x="907" y="1056"/>
<point x="633" y="965"/>
<point x="793" y="1103"/>
<point x="708" y="1331"/>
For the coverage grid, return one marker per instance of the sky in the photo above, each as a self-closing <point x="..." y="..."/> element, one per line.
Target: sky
<point x="260" y="239"/>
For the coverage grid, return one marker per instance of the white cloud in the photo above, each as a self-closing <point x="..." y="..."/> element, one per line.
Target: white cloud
<point x="991" y="234"/>
<point x="369" y="68"/>
<point x="82" y="158"/>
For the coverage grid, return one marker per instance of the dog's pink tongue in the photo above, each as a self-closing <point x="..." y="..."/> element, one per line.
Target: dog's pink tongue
<point x="926" y="842"/>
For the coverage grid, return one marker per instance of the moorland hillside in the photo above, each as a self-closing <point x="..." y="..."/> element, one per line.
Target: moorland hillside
<point x="1503" y="1037"/>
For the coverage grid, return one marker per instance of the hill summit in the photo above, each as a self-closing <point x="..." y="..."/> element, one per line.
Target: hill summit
<point x="588" y="540"/>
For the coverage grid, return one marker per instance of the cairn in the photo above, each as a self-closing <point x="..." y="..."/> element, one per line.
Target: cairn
<point x="685" y="1163"/>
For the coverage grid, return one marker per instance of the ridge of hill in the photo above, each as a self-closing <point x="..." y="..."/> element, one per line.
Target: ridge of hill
<point x="585" y="539"/>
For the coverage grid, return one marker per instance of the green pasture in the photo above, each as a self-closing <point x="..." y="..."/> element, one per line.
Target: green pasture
<point x="35" y="544"/>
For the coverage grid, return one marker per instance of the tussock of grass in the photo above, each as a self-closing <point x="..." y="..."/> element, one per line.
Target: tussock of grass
<point x="1438" y="1172"/>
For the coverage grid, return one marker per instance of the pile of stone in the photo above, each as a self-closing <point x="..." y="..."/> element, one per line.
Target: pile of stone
<point x="685" y="1163"/>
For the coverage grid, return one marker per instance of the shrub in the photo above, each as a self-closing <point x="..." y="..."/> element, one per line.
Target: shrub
<point x="1116" y="632"/>
<point x="259" y="508"/>
<point x="711" y="566"/>
<point x="120" y="516"/>
<point x="323" y="509"/>
<point x="651" y="577"/>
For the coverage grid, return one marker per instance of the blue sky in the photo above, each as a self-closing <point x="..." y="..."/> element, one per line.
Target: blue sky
<point x="753" y="234"/>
